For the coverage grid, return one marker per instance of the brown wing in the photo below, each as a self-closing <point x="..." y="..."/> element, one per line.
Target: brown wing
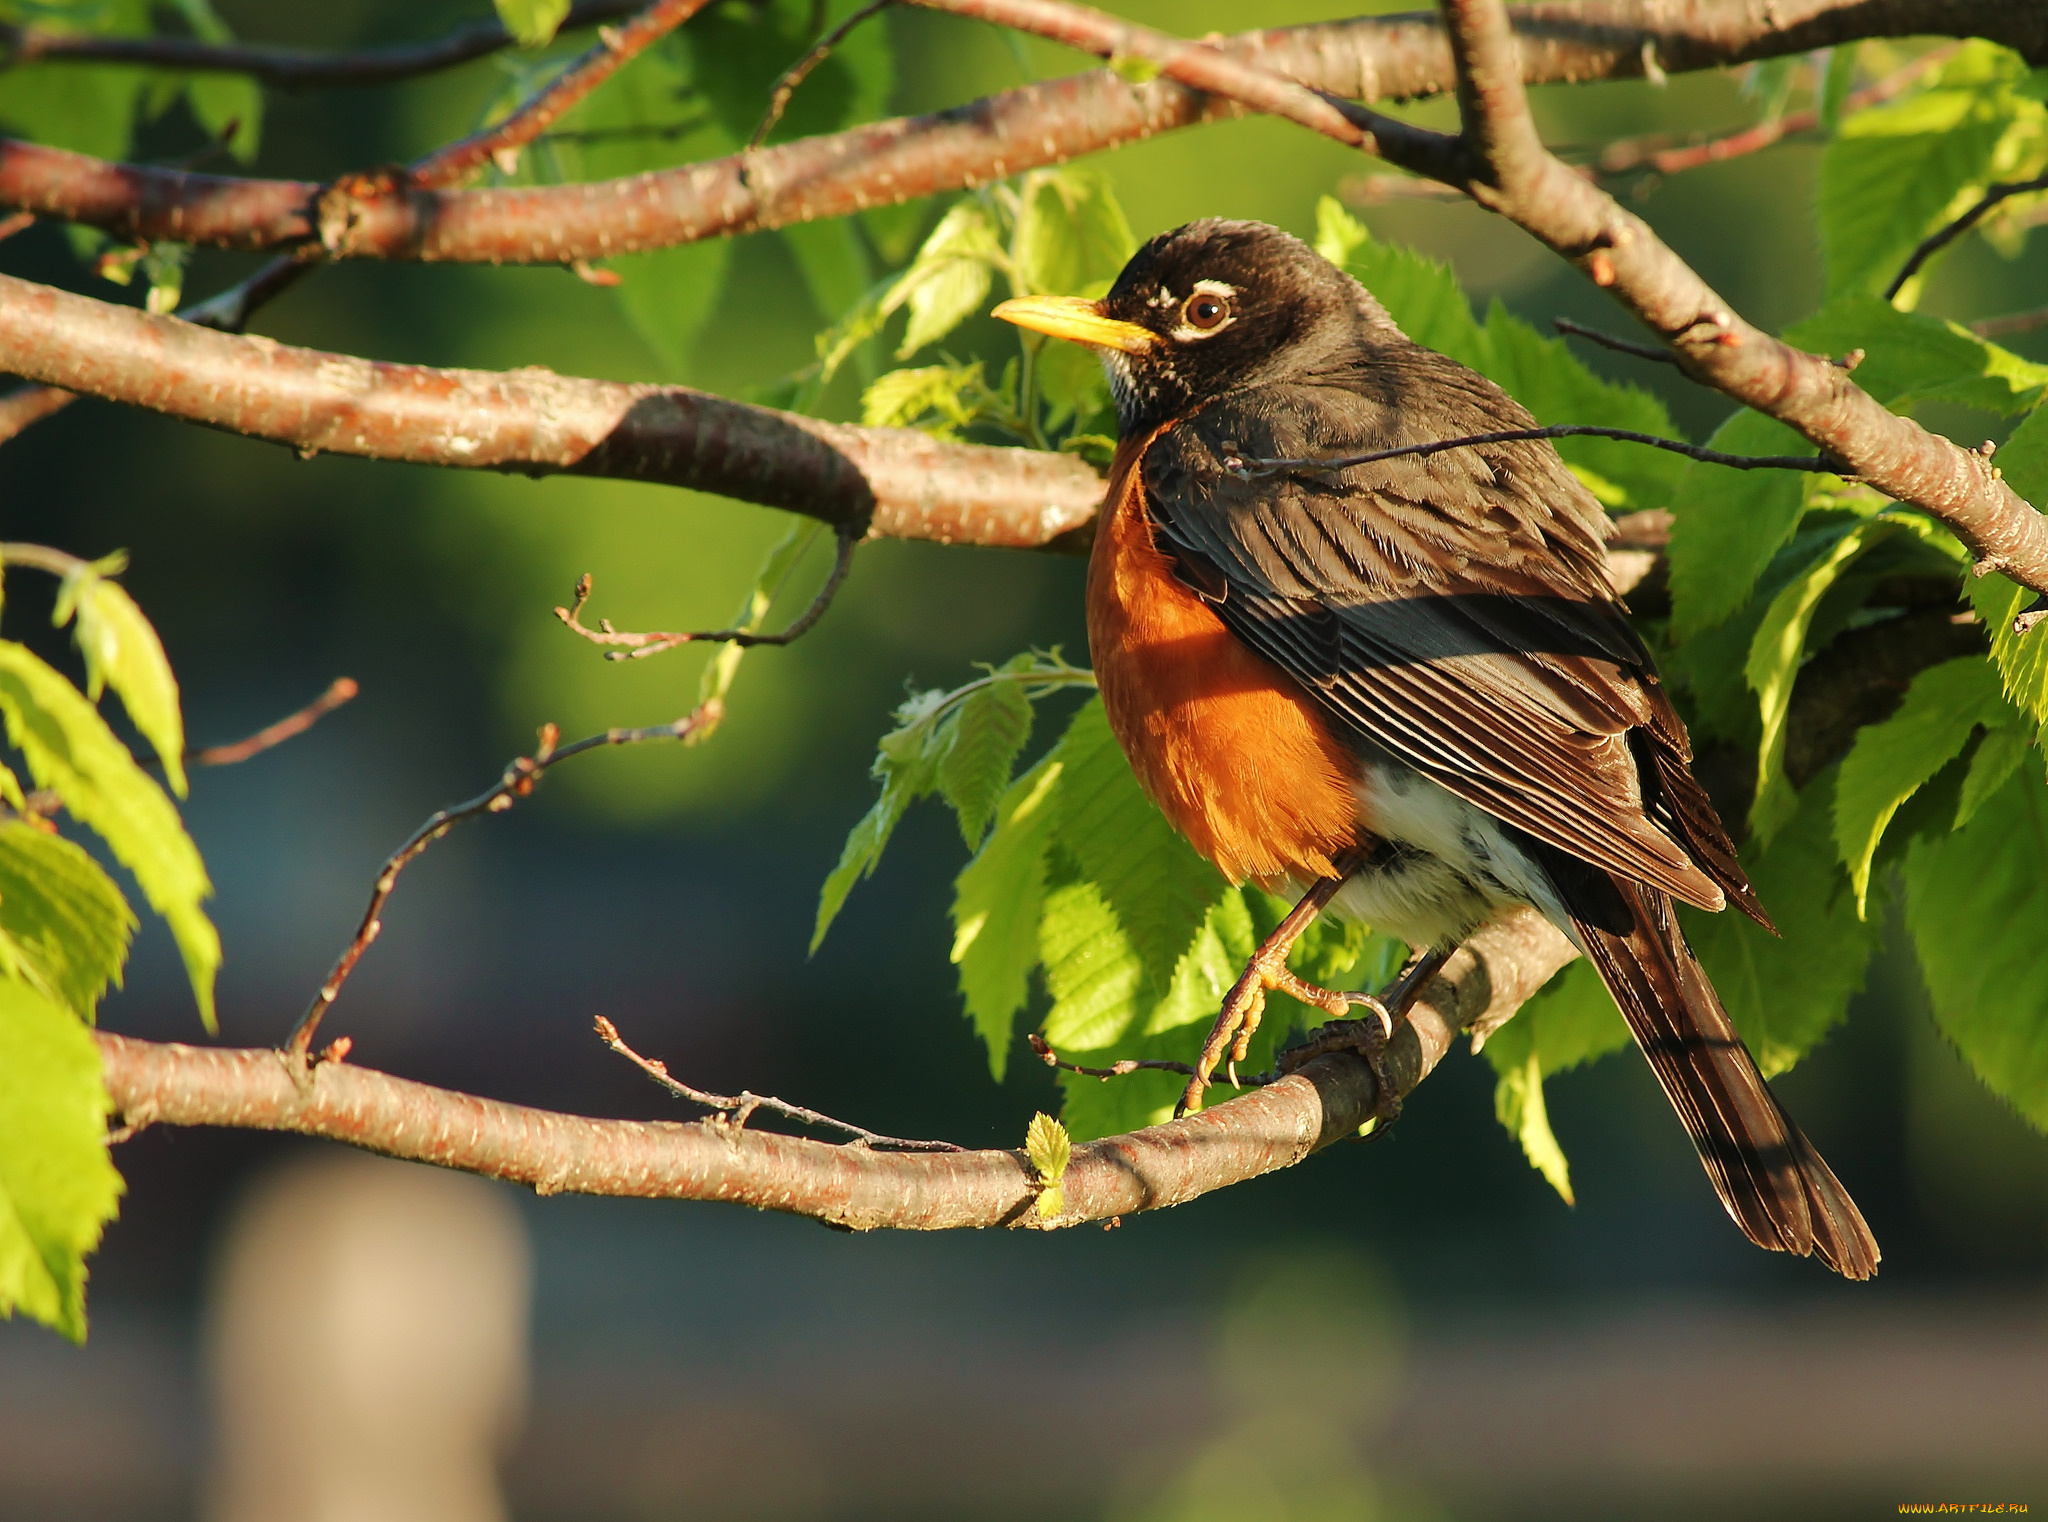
<point x="1450" y="611"/>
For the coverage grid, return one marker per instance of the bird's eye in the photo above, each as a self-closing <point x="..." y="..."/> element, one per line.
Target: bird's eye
<point x="1205" y="312"/>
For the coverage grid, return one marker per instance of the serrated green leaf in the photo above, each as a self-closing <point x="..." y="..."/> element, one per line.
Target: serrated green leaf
<point x="988" y="735"/>
<point x="1729" y="524"/>
<point x="58" y="1188"/>
<point x="1158" y="889"/>
<point x="1518" y="1105"/>
<point x="1070" y="231"/>
<point x="1773" y="665"/>
<point x="1892" y="761"/>
<point x="1998" y="756"/>
<point x="121" y="649"/>
<point x="1049" y="1147"/>
<point x="532" y="23"/>
<point x="2022" y="659"/>
<point x="1976" y="900"/>
<point x="1071" y="382"/>
<point x="1894" y="173"/>
<point x="1422" y="296"/>
<point x="997" y="903"/>
<point x="950" y="396"/>
<point x="70" y="750"/>
<point x="906" y="761"/>
<point x="1910" y="358"/>
<point x="64" y="926"/>
<point x="949" y="279"/>
<point x="1785" y="992"/>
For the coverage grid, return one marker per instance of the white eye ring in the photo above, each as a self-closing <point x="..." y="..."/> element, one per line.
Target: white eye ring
<point x="1209" y="309"/>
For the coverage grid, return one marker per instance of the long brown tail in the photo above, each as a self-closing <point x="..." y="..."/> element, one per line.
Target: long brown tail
<point x="1767" y="1173"/>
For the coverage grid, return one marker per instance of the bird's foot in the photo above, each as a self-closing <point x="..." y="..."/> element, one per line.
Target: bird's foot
<point x="1370" y="1039"/>
<point x="1243" y="1010"/>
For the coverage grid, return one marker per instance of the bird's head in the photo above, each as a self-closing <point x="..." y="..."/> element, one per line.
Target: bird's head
<point x="1207" y="309"/>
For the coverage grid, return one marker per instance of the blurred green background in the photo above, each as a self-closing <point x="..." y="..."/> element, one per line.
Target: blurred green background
<point x="1239" y="1357"/>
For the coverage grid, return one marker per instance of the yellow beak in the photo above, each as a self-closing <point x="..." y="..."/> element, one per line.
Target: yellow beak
<point x="1074" y="318"/>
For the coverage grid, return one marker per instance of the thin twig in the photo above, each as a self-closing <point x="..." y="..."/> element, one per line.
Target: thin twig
<point x="743" y="1104"/>
<point x="2017" y="322"/>
<point x="1126" y="1066"/>
<point x="1820" y="463"/>
<point x="288" y="68"/>
<point x="1655" y="154"/>
<point x="655" y="642"/>
<point x="502" y="142"/>
<point x="1936" y="241"/>
<point x="341" y="690"/>
<point x="517" y="782"/>
<point x="1609" y="341"/>
<point x="798" y="72"/>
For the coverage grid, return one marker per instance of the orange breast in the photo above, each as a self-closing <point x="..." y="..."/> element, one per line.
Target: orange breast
<point x="1227" y="744"/>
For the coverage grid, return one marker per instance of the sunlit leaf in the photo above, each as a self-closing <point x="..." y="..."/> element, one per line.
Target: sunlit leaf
<point x="997" y="903"/>
<point x="64" y="926"/>
<point x="1518" y="1105"/>
<point x="1997" y="758"/>
<point x="2022" y="658"/>
<point x="1891" y="761"/>
<point x="1070" y="231"/>
<point x="1571" y="1021"/>
<point x="988" y="735"/>
<point x="121" y="650"/>
<point x="532" y="23"/>
<point x="1910" y="358"/>
<point x="1976" y="900"/>
<point x="1729" y="524"/>
<point x="70" y="750"/>
<point x="58" y="1188"/>
<point x="949" y="279"/>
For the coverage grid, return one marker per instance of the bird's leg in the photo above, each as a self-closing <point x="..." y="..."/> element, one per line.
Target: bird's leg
<point x="1245" y="1004"/>
<point x="1370" y="1038"/>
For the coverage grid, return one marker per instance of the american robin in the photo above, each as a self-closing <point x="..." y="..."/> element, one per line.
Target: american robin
<point x="1404" y="689"/>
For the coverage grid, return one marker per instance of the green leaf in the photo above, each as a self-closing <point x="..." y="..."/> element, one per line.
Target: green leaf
<point x="1049" y="1147"/>
<point x="951" y="395"/>
<point x="1976" y="900"/>
<point x="1518" y="1105"/>
<point x="70" y="750"/>
<point x="949" y="279"/>
<point x="1422" y="296"/>
<point x="120" y="647"/>
<point x="988" y="736"/>
<point x="1070" y="232"/>
<point x="1892" y="761"/>
<point x="1910" y="358"/>
<point x="1775" y="654"/>
<point x="532" y="23"/>
<point x="997" y="901"/>
<point x="1785" y="992"/>
<point x="1998" y="756"/>
<point x="833" y="261"/>
<point x="1134" y="70"/>
<point x="1895" y="173"/>
<point x="907" y="762"/>
<point x="1729" y="524"/>
<point x="64" y="926"/>
<point x="58" y="1189"/>
<point x="1836" y="85"/>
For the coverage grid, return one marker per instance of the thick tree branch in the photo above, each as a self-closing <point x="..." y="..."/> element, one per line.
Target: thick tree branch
<point x="852" y="1186"/>
<point x="287" y="68"/>
<point x="1525" y="183"/>
<point x="1371" y="58"/>
<point x="896" y="481"/>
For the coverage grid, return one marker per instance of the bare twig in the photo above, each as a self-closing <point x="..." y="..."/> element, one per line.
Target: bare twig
<point x="25" y="406"/>
<point x="2017" y="322"/>
<point x="502" y="142"/>
<point x="1609" y="341"/>
<point x="1657" y="155"/>
<point x="1251" y="465"/>
<point x="1128" y="1065"/>
<point x="287" y="68"/>
<point x="517" y="782"/>
<point x="798" y="72"/>
<point x="1383" y="58"/>
<point x="739" y="1106"/>
<point x="341" y="690"/>
<point x="1936" y="241"/>
<point x="638" y="645"/>
<point x="859" y="1187"/>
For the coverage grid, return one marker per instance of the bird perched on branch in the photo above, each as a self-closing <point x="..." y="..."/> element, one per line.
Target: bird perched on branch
<point x="1403" y="689"/>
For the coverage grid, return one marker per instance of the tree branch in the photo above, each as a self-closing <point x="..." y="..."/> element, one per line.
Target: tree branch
<point x="851" y="1186"/>
<point x="896" y="482"/>
<point x="1529" y="186"/>
<point x="1371" y="58"/>
<point x="288" y="68"/>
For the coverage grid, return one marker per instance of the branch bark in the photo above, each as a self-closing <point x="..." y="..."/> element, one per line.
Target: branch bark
<point x="897" y="482"/>
<point x="851" y="1186"/>
<point x="1371" y="58"/>
<point x="1522" y="180"/>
